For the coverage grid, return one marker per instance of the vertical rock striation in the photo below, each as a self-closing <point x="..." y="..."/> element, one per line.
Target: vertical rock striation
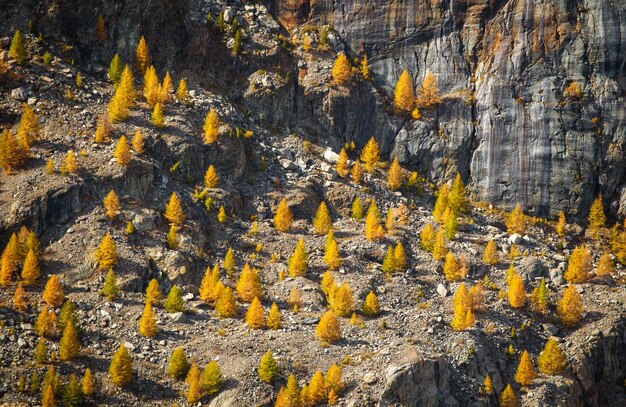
<point x="507" y="123"/>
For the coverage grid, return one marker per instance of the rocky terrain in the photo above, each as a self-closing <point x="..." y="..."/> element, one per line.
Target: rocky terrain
<point x="504" y="125"/>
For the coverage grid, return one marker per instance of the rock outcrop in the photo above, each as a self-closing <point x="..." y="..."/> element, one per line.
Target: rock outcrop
<point x="421" y="383"/>
<point x="506" y="124"/>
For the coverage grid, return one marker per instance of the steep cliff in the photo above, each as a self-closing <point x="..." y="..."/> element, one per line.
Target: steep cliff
<point x="505" y="123"/>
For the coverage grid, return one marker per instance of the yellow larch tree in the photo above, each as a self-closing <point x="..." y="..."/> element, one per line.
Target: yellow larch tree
<point x="371" y="306"/>
<point x="579" y="265"/>
<point x="331" y="252"/>
<point x="211" y="127"/>
<point x="17" y="49"/>
<point x="429" y="93"/>
<point x="111" y="205"/>
<point x="167" y="88"/>
<point x="147" y="322"/>
<point x="30" y="269"/>
<point x="229" y="263"/>
<point x="399" y="257"/>
<point x="551" y="360"/>
<point x="157" y="119"/>
<point x="488" y="386"/>
<point x="365" y="68"/>
<point x="88" y="383"/>
<point x="255" y="316"/>
<point x="427" y="238"/>
<point x="517" y="221"/>
<point x="322" y="221"/>
<point x="373" y="228"/>
<point x="249" y="284"/>
<point x="370" y="155"/>
<point x="294" y="300"/>
<point x="516" y="293"/>
<point x="53" y="292"/>
<point x="174" y="211"/>
<point x="597" y="219"/>
<point x="225" y="305"/>
<point x="328" y="329"/>
<point x="153" y="293"/>
<point x="138" y="142"/>
<point x="106" y="253"/>
<point x="268" y="368"/>
<point x="508" y="398"/>
<point x="283" y="218"/>
<point x="211" y="180"/>
<point x="463" y="317"/>
<point x="178" y="365"/>
<point x="298" y="261"/>
<point x="561" y="224"/>
<point x="20" y="300"/>
<point x="490" y="255"/>
<point x="342" y="164"/>
<point x="342" y="71"/>
<point x="440" y="246"/>
<point x="46" y="321"/>
<point x="356" y="175"/>
<point x="404" y="96"/>
<point x="570" y="307"/>
<point x="142" y="56"/>
<point x="525" y="372"/>
<point x="103" y="129"/>
<point x="182" y="94"/>
<point x="151" y="86"/>
<point x="605" y="265"/>
<point x="28" y="128"/>
<point x="334" y="379"/>
<point x="343" y="301"/>
<point x="356" y="211"/>
<point x="11" y="155"/>
<point x="69" y="346"/>
<point x="121" y="368"/>
<point x="457" y="199"/>
<point x="441" y="204"/>
<point x="451" y="267"/>
<point x="71" y="164"/>
<point x="274" y="319"/>
<point x="395" y="176"/>
<point x="317" y="389"/>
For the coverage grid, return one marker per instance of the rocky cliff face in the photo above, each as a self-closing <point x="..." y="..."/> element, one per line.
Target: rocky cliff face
<point x="505" y="123"/>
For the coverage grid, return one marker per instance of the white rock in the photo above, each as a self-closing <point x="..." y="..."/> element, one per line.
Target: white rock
<point x="515" y="238"/>
<point x="442" y="290"/>
<point x="331" y="156"/>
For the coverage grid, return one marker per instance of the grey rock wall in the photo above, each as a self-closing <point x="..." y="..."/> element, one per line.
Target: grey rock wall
<point x="517" y="139"/>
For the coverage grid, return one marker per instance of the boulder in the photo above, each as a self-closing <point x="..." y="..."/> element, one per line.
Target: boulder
<point x="423" y="383"/>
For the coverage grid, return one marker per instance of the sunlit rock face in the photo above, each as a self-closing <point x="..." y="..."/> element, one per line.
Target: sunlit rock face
<point x="503" y="66"/>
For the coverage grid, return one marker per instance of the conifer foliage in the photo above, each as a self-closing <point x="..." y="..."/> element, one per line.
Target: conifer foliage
<point x="370" y="155"/>
<point x="53" y="292"/>
<point x="211" y="127"/>
<point x="341" y="69"/>
<point x="283" y="218"/>
<point x="17" y="50"/>
<point x="525" y="373"/>
<point x="268" y="368"/>
<point x="328" y="329"/>
<point x="121" y="368"/>
<point x="142" y="56"/>
<point x="570" y="307"/>
<point x="551" y="360"/>
<point x="322" y="221"/>
<point x="106" y="253"/>
<point x="404" y="96"/>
